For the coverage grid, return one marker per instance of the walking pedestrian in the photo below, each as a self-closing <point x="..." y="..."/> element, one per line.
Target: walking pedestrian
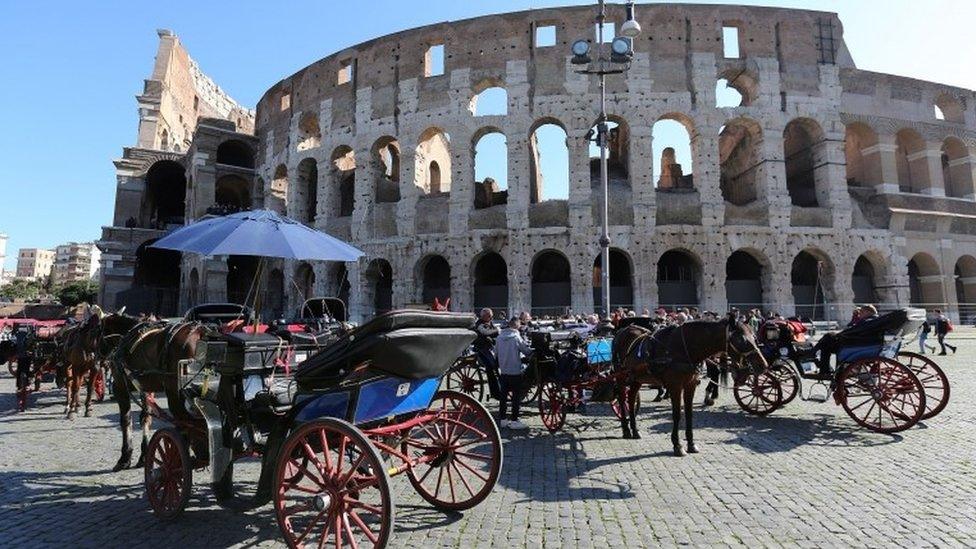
<point x="942" y="328"/>
<point x="509" y="348"/>
<point x="924" y="335"/>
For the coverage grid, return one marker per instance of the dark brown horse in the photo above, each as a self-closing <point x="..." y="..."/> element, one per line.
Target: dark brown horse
<point x="81" y="361"/>
<point x="147" y="361"/>
<point x="669" y="358"/>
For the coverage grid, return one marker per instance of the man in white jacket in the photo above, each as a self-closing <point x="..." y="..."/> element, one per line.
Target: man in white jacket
<point x="509" y="348"/>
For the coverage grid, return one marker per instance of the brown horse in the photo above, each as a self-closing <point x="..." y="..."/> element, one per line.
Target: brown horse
<point x="82" y="364"/>
<point x="669" y="358"/>
<point x="147" y="361"/>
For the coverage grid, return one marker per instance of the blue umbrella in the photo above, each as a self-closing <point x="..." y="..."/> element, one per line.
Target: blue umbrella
<point x="260" y="233"/>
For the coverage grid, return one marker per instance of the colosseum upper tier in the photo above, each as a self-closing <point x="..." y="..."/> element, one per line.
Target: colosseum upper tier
<point x="818" y="186"/>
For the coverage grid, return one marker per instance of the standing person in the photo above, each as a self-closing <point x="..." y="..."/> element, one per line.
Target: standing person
<point x="22" y="338"/>
<point x="510" y="347"/>
<point x="484" y="348"/>
<point x="924" y="335"/>
<point x="942" y="328"/>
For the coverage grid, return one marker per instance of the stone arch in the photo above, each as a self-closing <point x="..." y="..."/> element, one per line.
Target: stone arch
<point x="278" y="196"/>
<point x="386" y="160"/>
<point x="306" y="197"/>
<point x="863" y="158"/>
<point x="957" y="173"/>
<point x="950" y="108"/>
<point x="736" y="88"/>
<point x="434" y="146"/>
<point x="378" y="287"/>
<point x="343" y="189"/>
<point x="811" y="276"/>
<point x="740" y="156"/>
<point x="309" y="133"/>
<point x="925" y="282"/>
<point x="155" y="281"/>
<point x="746" y="275"/>
<point x="434" y="274"/>
<point x="235" y="152"/>
<point x="965" y="279"/>
<point x="241" y="273"/>
<point x="679" y="278"/>
<point x="341" y="286"/>
<point x="866" y="278"/>
<point x="911" y="161"/>
<point x="551" y="291"/>
<point x="804" y="154"/>
<point x="490" y="153"/>
<point x="672" y="138"/>
<point x="164" y="200"/>
<point x="621" y="281"/>
<point x="548" y="177"/>
<point x="489" y="271"/>
<point x="233" y="193"/>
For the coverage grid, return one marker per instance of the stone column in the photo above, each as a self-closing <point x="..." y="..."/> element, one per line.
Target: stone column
<point x="704" y="146"/>
<point x="772" y="177"/>
<point x="641" y="173"/>
<point x="933" y="165"/>
<point x="363" y="192"/>
<point x="409" y="192"/>
<point x="834" y="173"/>
<point x="883" y="155"/>
<point x="580" y="192"/>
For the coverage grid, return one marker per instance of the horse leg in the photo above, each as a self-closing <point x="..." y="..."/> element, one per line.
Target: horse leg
<point x="689" y="394"/>
<point x="67" y="397"/>
<point x="711" y="389"/>
<point x="88" y="397"/>
<point x="622" y="405"/>
<point x="145" y="421"/>
<point x="675" y="393"/>
<point x="124" y="398"/>
<point x="632" y="396"/>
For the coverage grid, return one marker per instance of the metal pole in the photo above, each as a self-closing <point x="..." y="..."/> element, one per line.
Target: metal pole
<point x="602" y="137"/>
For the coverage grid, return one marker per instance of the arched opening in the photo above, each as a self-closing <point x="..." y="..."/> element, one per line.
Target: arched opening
<point x="434" y="174"/>
<point x="965" y="277"/>
<point x="925" y="283"/>
<point x="309" y="134"/>
<point x="490" y="168"/>
<point x="155" y="282"/>
<point x="913" y="173"/>
<point x="807" y="276"/>
<point x="548" y="162"/>
<point x="618" y="153"/>
<point x="435" y="146"/>
<point x="276" y="294"/>
<point x="344" y="181"/>
<point x="744" y="281"/>
<point x="305" y="282"/>
<point x="864" y="281"/>
<point x="621" y="282"/>
<point x="949" y="109"/>
<point x="862" y="156"/>
<point x="307" y="191"/>
<point x="957" y="173"/>
<point x="241" y="273"/>
<point x="672" y="150"/>
<point x="193" y="292"/>
<point x="435" y="279"/>
<point x="379" y="280"/>
<point x="232" y="193"/>
<point x="235" y="153"/>
<point x="278" y="199"/>
<point x="803" y="149"/>
<point x="551" y="284"/>
<point x="735" y="88"/>
<point x="164" y="202"/>
<point x="739" y="146"/>
<point x="491" y="283"/>
<point x="386" y="158"/>
<point x="678" y="279"/>
<point x="490" y="102"/>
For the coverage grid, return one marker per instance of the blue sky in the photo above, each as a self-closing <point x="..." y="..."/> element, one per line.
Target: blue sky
<point x="70" y="71"/>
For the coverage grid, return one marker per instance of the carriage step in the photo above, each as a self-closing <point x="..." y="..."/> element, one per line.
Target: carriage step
<point x="817" y="396"/>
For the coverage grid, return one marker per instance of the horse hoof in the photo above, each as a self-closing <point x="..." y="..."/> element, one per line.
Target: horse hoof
<point x="88" y="412"/>
<point x="627" y="435"/>
<point x="678" y="452"/>
<point x="71" y="415"/>
<point x="636" y="435"/>
<point x="122" y="464"/>
<point x="692" y="449"/>
<point x="709" y="402"/>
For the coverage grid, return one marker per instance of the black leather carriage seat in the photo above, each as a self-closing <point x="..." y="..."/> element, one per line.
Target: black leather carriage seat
<point x="408" y="344"/>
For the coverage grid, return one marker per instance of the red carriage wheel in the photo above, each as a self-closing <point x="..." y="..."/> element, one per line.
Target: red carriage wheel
<point x="880" y="394"/>
<point x="789" y="380"/>
<point x="759" y="394"/>
<point x="461" y="450"/>
<point x="168" y="473"/>
<point x="552" y="405"/>
<point x="615" y="403"/>
<point x="468" y="378"/>
<point x="331" y="488"/>
<point x="99" y="385"/>
<point x="933" y="379"/>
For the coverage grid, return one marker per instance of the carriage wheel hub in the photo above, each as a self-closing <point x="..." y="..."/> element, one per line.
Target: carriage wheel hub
<point x="322" y="501"/>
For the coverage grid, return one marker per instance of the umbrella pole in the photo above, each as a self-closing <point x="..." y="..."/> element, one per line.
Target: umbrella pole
<point x="258" y="275"/>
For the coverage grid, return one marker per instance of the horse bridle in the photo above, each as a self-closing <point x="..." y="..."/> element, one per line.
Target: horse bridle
<point x="742" y="355"/>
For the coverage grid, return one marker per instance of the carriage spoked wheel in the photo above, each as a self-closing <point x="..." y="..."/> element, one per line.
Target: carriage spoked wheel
<point x="789" y="381"/>
<point x="468" y="378"/>
<point x="331" y="488"/>
<point x="759" y="393"/>
<point x="552" y="405"/>
<point x="933" y="379"/>
<point x="462" y="452"/>
<point x="881" y="394"/>
<point x="168" y="473"/>
<point x="615" y="403"/>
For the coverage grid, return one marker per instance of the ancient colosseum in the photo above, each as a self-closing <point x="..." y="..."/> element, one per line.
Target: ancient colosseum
<point x="818" y="185"/>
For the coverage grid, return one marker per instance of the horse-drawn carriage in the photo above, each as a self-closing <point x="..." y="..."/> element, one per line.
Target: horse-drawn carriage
<point x="331" y="429"/>
<point x="880" y="386"/>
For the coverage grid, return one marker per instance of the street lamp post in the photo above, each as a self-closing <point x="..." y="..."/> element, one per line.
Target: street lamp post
<point x="621" y="54"/>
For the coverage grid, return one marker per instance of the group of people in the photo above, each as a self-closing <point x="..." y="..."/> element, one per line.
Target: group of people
<point x="941" y="325"/>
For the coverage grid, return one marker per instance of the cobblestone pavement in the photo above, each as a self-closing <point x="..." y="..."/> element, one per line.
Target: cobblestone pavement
<point x="807" y="475"/>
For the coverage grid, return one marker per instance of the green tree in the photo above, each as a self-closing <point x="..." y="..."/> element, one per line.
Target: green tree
<point x="78" y="292"/>
<point x="21" y="289"/>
